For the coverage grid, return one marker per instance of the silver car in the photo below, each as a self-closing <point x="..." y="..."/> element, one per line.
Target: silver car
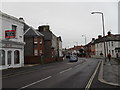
<point x="73" y="58"/>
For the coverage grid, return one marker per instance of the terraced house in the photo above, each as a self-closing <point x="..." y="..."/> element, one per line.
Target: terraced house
<point x="11" y="42"/>
<point x="111" y="42"/>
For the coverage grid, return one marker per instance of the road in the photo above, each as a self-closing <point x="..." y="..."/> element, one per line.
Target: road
<point x="62" y="74"/>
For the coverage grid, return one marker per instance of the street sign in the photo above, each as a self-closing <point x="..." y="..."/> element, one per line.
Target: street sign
<point x="10" y="34"/>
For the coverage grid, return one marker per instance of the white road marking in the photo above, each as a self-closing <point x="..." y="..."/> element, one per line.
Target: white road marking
<point x="92" y="77"/>
<point x="73" y="62"/>
<point x="65" y="70"/>
<point x="35" y="82"/>
<point x="76" y="66"/>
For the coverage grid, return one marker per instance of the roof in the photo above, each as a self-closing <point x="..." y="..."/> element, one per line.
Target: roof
<point x="59" y="38"/>
<point x="76" y="48"/>
<point x="47" y="35"/>
<point x="9" y="16"/>
<point x="108" y="38"/>
<point x="30" y="31"/>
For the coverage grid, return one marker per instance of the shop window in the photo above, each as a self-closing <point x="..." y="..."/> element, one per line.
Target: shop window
<point x="16" y="57"/>
<point x="2" y="57"/>
<point x="9" y="58"/>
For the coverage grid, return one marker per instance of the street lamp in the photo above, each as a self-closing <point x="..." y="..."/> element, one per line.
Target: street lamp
<point x="85" y="38"/>
<point x="103" y="29"/>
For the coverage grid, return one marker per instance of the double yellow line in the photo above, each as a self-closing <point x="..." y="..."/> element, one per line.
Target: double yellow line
<point x="92" y="77"/>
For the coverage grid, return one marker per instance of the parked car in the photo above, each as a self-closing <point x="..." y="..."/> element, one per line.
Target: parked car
<point x="73" y="58"/>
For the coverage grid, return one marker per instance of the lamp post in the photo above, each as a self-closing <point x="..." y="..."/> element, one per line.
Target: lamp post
<point x="85" y="49"/>
<point x="103" y="30"/>
<point x="85" y="38"/>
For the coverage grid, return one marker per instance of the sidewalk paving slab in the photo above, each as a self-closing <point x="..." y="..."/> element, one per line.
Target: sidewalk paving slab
<point x="110" y="72"/>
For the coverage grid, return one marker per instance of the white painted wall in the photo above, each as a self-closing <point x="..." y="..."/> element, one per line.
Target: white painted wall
<point x="6" y="22"/>
<point x="7" y="25"/>
<point x="60" y="49"/>
<point x="99" y="47"/>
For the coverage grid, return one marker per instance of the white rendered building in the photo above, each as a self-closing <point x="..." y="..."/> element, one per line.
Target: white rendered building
<point x="11" y="42"/>
<point x="111" y="43"/>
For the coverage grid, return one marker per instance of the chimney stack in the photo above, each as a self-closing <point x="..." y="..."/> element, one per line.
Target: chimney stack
<point x="99" y="36"/>
<point x="21" y="19"/>
<point x="93" y="39"/>
<point x="109" y="33"/>
<point x="43" y="28"/>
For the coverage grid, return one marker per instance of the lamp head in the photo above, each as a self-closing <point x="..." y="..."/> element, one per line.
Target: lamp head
<point x="92" y="12"/>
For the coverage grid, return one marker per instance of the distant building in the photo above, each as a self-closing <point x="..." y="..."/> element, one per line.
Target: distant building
<point x="34" y="47"/>
<point x="60" y="54"/>
<point x="90" y="48"/>
<point x="11" y="42"/>
<point x="78" y="50"/>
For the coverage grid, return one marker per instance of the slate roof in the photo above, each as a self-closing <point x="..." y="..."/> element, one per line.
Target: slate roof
<point x="11" y="17"/>
<point x="108" y="38"/>
<point x="30" y="31"/>
<point x="47" y="35"/>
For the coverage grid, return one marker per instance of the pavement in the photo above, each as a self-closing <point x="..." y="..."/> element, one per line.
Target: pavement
<point x="110" y="72"/>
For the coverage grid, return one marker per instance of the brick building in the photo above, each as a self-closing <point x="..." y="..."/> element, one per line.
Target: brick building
<point x="51" y="44"/>
<point x="34" y="47"/>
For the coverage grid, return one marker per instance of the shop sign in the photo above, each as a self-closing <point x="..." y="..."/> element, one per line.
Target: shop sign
<point x="10" y="34"/>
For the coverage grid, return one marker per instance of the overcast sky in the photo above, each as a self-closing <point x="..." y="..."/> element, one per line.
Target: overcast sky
<point x="70" y="20"/>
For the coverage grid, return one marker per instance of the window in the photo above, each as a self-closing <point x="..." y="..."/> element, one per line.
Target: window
<point x="14" y="27"/>
<point x="35" y="40"/>
<point x="109" y="51"/>
<point x="16" y="57"/>
<point x="35" y="52"/>
<point x="109" y="43"/>
<point x="9" y="57"/>
<point x="2" y="57"/>
<point x="112" y="52"/>
<point x="101" y="45"/>
<point x="35" y="46"/>
<point x="112" y="43"/>
<point x="40" y="40"/>
<point x="97" y="45"/>
<point x="40" y="52"/>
